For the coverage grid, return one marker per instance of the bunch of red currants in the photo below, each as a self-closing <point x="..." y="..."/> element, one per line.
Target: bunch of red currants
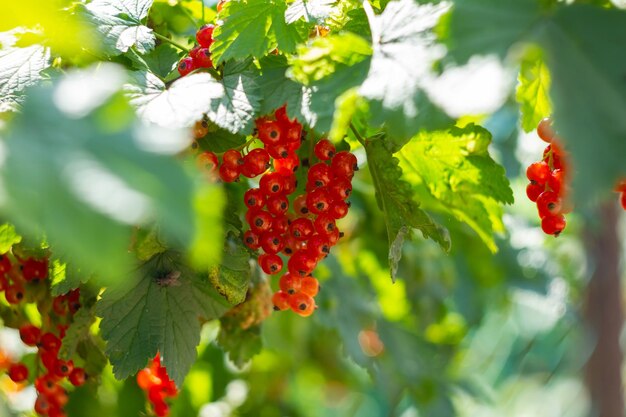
<point x="155" y="381"/>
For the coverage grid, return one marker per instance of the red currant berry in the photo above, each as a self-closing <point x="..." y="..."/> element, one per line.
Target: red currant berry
<point x="287" y="166"/>
<point x="269" y="132"/>
<point x="299" y="205"/>
<point x="339" y="209"/>
<point x="310" y="286"/>
<point x="291" y="183"/>
<point x="42" y="405"/>
<point x="289" y="284"/>
<point x="319" y="175"/>
<point x="325" y="224"/>
<point x="281" y="301"/>
<point x="344" y="164"/>
<point x="319" y="245"/>
<point x="33" y="269"/>
<point x="233" y="157"/>
<point x="203" y="59"/>
<point x="229" y="173"/>
<point x="538" y="172"/>
<point x="533" y="191"/>
<point x="260" y="221"/>
<point x="278" y="151"/>
<point x="207" y="161"/>
<point x="254" y="198"/>
<point x="257" y="161"/>
<point x="302" y="304"/>
<point x="63" y="368"/>
<point x="270" y="263"/>
<point x="272" y="183"/>
<point x="271" y="242"/>
<point x="186" y="65"/>
<point x="5" y="263"/>
<point x="623" y="200"/>
<point x="548" y="204"/>
<point x="204" y="36"/>
<point x="324" y="150"/>
<point x="14" y="294"/>
<point x="50" y="342"/>
<point x="193" y="53"/>
<point x="553" y="225"/>
<point x="30" y="334"/>
<point x="280" y="224"/>
<point x="18" y="372"/>
<point x="301" y="263"/>
<point x="555" y="180"/>
<point x="301" y="229"/>
<point x="318" y="201"/>
<point x="45" y="385"/>
<point x="277" y="205"/>
<point x="544" y="130"/>
<point x="77" y="377"/>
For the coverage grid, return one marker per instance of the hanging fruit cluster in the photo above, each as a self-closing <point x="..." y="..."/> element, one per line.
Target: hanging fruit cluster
<point x="303" y="229"/>
<point x="157" y="384"/>
<point x="548" y="182"/>
<point x="16" y="278"/>
<point x="199" y="56"/>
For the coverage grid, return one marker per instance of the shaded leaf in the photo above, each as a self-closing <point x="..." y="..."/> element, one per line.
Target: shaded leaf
<point x="533" y="92"/>
<point x="232" y="277"/>
<point x="395" y="198"/>
<point x="160" y="313"/>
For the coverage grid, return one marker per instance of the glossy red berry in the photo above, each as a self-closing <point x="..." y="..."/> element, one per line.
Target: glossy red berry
<point x="77" y="377"/>
<point x="623" y="200"/>
<point x="42" y="405"/>
<point x="18" y="372"/>
<point x="319" y="175"/>
<point x="344" y="164"/>
<point x="256" y="162"/>
<point x="299" y="205"/>
<point x="538" y="172"/>
<point x="339" y="209"/>
<point x="281" y="301"/>
<point x="287" y="166"/>
<point x="533" y="191"/>
<point x="544" y="130"/>
<point x="260" y="221"/>
<point x="33" y="269"/>
<point x="301" y="228"/>
<point x="50" y="342"/>
<point x="254" y="198"/>
<point x="203" y="59"/>
<point x="271" y="242"/>
<point x="301" y="263"/>
<point x="229" y="173"/>
<point x="207" y="161"/>
<point x="30" y="334"/>
<point x="310" y="286"/>
<point x="548" y="204"/>
<point x="277" y="204"/>
<point x="186" y="65"/>
<point x="14" y="294"/>
<point x="272" y="183"/>
<point x="204" y="36"/>
<point x="5" y="263"/>
<point x="63" y="368"/>
<point x="233" y="157"/>
<point x="269" y="132"/>
<point x="289" y="283"/>
<point x="319" y="245"/>
<point x="280" y="224"/>
<point x="553" y="225"/>
<point x="318" y="201"/>
<point x="302" y="304"/>
<point x="324" y="150"/>
<point x="325" y="224"/>
<point x="270" y="263"/>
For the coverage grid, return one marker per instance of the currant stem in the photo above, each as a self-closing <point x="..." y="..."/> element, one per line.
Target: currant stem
<point x="203" y="21"/>
<point x="357" y="134"/>
<point x="238" y="148"/>
<point x="168" y="40"/>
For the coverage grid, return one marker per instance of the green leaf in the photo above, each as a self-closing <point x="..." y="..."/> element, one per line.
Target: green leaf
<point x="119" y="22"/>
<point x="84" y="173"/>
<point x="255" y="28"/>
<point x="276" y="89"/>
<point x="322" y="57"/>
<point x="309" y="10"/>
<point x="404" y="53"/>
<point x="161" y="61"/>
<point x="459" y="177"/>
<point x="160" y="313"/>
<point x="65" y="278"/>
<point x="395" y="199"/>
<point x="147" y="243"/>
<point x="21" y="67"/>
<point x="231" y="103"/>
<point x="232" y="277"/>
<point x="532" y="91"/>
<point x="585" y="53"/>
<point x="241" y="345"/>
<point x="482" y="27"/>
<point x="77" y="332"/>
<point x="8" y="237"/>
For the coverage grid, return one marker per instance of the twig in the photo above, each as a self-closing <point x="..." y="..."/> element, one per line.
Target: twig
<point x="357" y="134"/>
<point x="168" y="40"/>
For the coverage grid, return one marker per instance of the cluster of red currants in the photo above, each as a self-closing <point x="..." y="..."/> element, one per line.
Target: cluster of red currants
<point x="621" y="188"/>
<point x="155" y="381"/>
<point x="199" y="56"/>
<point x="13" y="277"/>
<point x="548" y="182"/>
<point x="306" y="234"/>
<point x="51" y="396"/>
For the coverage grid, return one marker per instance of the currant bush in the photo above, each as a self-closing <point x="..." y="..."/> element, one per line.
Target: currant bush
<point x="548" y="181"/>
<point x="199" y="56"/>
